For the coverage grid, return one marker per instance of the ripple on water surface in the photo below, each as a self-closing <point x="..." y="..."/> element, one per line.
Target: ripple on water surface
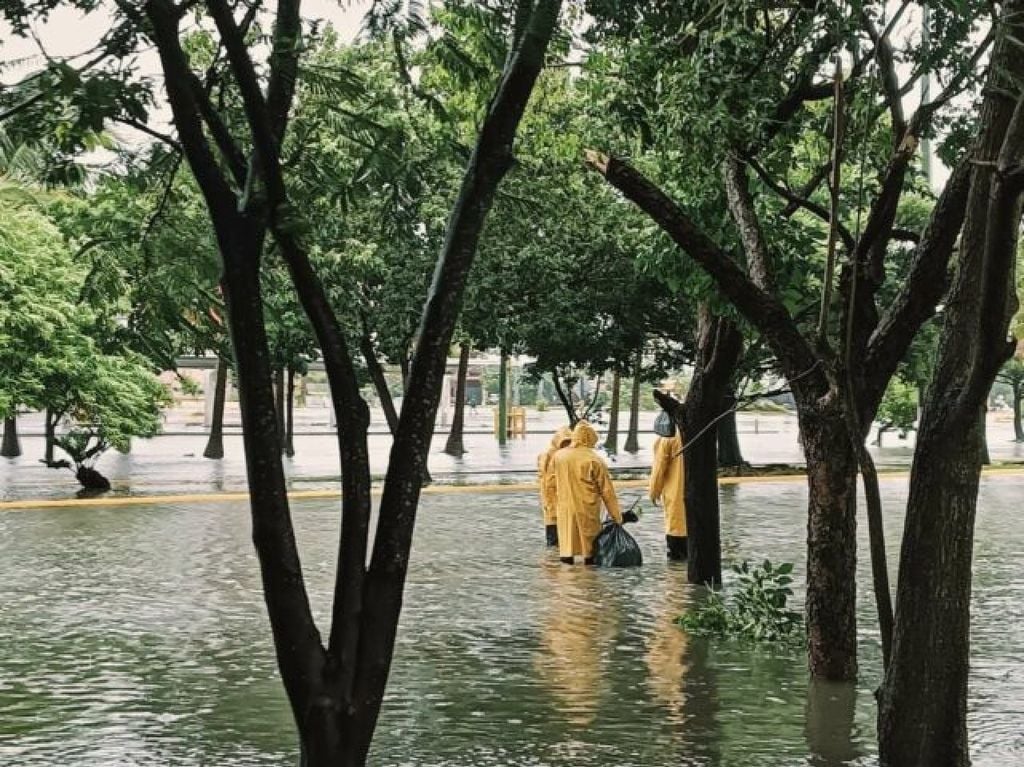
<point x="137" y="636"/>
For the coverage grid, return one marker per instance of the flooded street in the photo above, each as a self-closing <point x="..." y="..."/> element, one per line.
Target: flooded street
<point x="137" y="636"/>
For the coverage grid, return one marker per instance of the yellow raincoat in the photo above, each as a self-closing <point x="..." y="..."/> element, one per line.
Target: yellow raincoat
<point x="582" y="484"/>
<point x="546" y="475"/>
<point x="668" y="483"/>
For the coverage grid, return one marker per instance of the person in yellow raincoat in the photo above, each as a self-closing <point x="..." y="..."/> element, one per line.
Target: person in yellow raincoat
<point x="668" y="484"/>
<point x="546" y="481"/>
<point x="582" y="484"/>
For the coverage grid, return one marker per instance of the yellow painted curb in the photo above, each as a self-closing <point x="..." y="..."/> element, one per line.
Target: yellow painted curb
<point x="518" y="487"/>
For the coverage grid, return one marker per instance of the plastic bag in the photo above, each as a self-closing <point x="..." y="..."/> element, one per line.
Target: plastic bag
<point x="614" y="547"/>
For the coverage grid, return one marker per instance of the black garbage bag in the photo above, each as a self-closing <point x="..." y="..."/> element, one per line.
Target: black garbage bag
<point x="614" y="547"/>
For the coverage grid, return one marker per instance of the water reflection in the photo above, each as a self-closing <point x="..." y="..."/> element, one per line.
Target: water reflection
<point x="830" y="722"/>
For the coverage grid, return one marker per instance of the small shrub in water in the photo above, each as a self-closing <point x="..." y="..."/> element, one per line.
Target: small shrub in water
<point x="756" y="611"/>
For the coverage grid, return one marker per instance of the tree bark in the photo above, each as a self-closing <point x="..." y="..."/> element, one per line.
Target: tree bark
<point x="831" y="542"/>
<point x="455" y="445"/>
<point x="719" y="346"/>
<point x="503" y="398"/>
<point x="611" y="439"/>
<point x="729" y="452"/>
<point x="11" y="446"/>
<point x="215" y="443"/>
<point x="923" y="699"/>
<point x="289" y="429"/>
<point x="633" y="435"/>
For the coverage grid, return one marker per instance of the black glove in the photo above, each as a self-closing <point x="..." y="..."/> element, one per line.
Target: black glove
<point x="630" y="516"/>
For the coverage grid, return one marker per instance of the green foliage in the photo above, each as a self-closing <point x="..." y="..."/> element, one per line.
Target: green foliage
<point x="756" y="611"/>
<point x="898" y="409"/>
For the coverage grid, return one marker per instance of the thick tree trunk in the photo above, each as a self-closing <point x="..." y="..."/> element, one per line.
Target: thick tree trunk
<point x="215" y="443"/>
<point x="831" y="543"/>
<point x="923" y="700"/>
<point x="633" y="435"/>
<point x="503" y="398"/>
<point x="611" y="439"/>
<point x="454" y="445"/>
<point x="729" y="453"/>
<point x="720" y="345"/>
<point x="922" y="707"/>
<point x="11" y="447"/>
<point x="1018" y="426"/>
<point x="289" y="429"/>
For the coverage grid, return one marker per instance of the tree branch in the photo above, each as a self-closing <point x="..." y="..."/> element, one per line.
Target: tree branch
<point x="761" y="309"/>
<point x="741" y="206"/>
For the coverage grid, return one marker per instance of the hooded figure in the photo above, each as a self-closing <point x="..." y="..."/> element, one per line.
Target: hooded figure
<point x="582" y="484"/>
<point x="668" y="485"/>
<point x="546" y="480"/>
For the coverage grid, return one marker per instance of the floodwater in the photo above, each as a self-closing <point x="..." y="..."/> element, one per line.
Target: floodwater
<point x="137" y="636"/>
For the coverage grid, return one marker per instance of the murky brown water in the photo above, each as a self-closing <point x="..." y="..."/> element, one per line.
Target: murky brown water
<point x="137" y="636"/>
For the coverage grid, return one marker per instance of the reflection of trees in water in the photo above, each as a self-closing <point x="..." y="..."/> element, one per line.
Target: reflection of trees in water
<point x="829" y="723"/>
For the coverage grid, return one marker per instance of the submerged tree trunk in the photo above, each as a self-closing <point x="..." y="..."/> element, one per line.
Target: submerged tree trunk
<point x="90" y="479"/>
<point x="215" y="444"/>
<point x="831" y="543"/>
<point x="455" y="445"/>
<point x="720" y="345"/>
<point x="289" y="429"/>
<point x="611" y="439"/>
<point x="729" y="453"/>
<point x="633" y="435"/>
<point x="923" y="701"/>
<point x="503" y="398"/>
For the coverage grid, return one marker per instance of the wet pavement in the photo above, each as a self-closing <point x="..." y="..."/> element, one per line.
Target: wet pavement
<point x="173" y="463"/>
<point x="137" y="636"/>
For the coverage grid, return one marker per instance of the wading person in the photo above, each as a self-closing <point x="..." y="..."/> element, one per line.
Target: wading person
<point x="582" y="485"/>
<point x="668" y="484"/>
<point x="546" y="480"/>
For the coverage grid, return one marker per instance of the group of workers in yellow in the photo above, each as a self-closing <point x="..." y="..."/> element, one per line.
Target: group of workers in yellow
<point x="575" y="484"/>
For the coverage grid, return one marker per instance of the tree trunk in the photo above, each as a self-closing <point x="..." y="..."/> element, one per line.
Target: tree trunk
<point x="729" y="453"/>
<point x="720" y="345"/>
<point x="279" y="397"/>
<point x="564" y="397"/>
<point x="215" y="444"/>
<point x="633" y="436"/>
<point x="11" y="447"/>
<point x="380" y="383"/>
<point x="50" y="427"/>
<point x="831" y="543"/>
<point x="503" y="398"/>
<point x="90" y="479"/>
<point x="1018" y="427"/>
<point x="289" y="429"/>
<point x="611" y="439"/>
<point x="923" y="699"/>
<point x="455" y="445"/>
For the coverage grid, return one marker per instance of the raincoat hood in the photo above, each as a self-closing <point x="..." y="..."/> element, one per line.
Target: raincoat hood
<point x="562" y="438"/>
<point x="584" y="435"/>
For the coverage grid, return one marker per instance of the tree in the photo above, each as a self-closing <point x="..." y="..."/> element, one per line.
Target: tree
<point x="336" y="688"/>
<point x="923" y="699"/>
<point x="836" y="399"/>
